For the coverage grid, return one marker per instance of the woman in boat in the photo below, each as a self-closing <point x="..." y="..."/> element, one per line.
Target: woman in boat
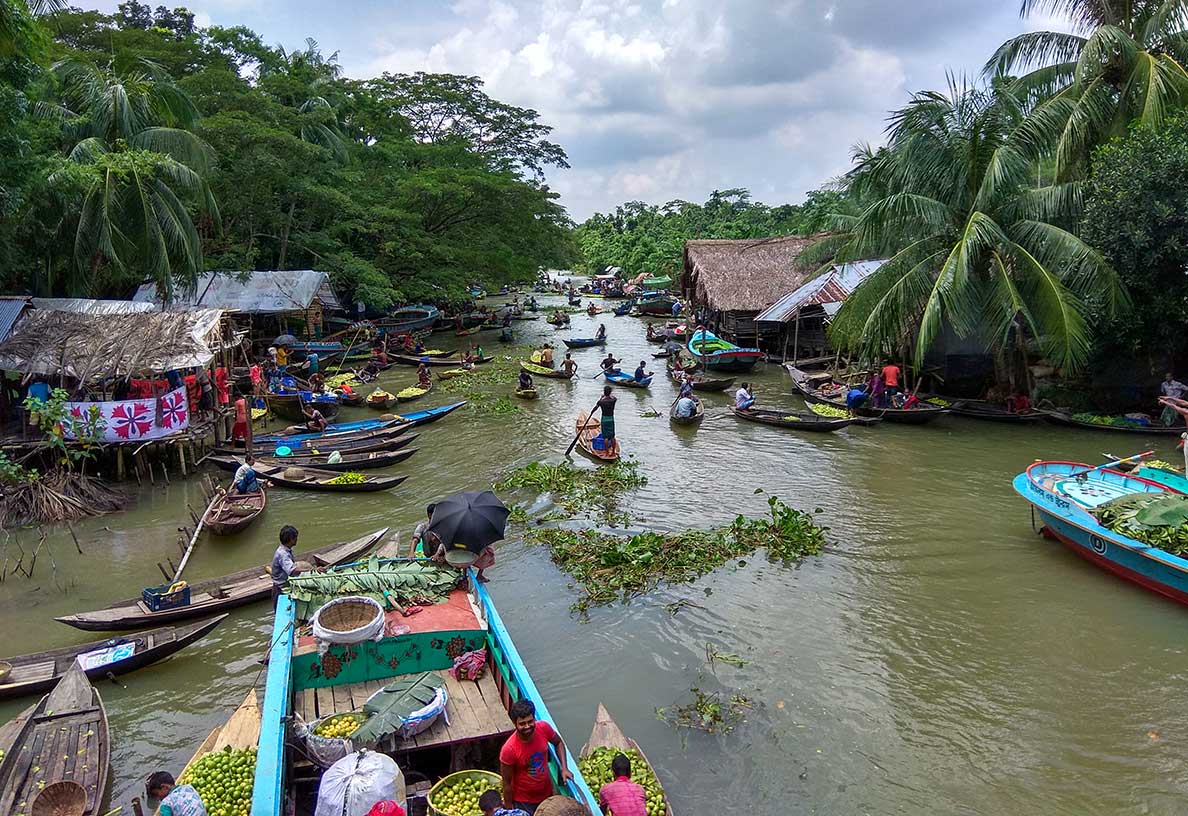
<point x="424" y="379"/>
<point x="743" y="398"/>
<point x="419" y="347"/>
<point x="601" y="333"/>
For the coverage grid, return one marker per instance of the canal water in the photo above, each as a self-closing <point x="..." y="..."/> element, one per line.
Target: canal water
<point x="938" y="657"/>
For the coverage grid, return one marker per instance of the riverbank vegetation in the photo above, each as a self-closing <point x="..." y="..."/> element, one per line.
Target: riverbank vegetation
<point x="140" y="144"/>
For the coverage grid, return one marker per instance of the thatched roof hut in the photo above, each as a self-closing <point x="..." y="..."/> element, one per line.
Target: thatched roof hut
<point x="91" y="347"/>
<point x="734" y="280"/>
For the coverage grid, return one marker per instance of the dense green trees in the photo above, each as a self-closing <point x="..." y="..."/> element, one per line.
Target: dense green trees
<point x="153" y="149"/>
<point x="644" y="238"/>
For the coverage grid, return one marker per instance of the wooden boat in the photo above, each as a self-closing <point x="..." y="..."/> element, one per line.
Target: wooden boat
<point x="470" y="331"/>
<point x="701" y="383"/>
<point x="658" y="306"/>
<point x="537" y="358"/>
<point x="793" y="420"/>
<point x="318" y="479"/>
<point x="474" y="715"/>
<point x="380" y="400"/>
<point x="558" y="323"/>
<point x="607" y="734"/>
<point x="409" y="319"/>
<point x="392" y="439"/>
<point x="527" y="393"/>
<point x="414" y="392"/>
<point x="621" y="311"/>
<point x="215" y="594"/>
<point x="1063" y="496"/>
<point x="992" y="412"/>
<point x="365" y="427"/>
<point x="587" y="429"/>
<point x="715" y="353"/>
<point x="549" y="373"/>
<point x="408" y="359"/>
<point x="452" y="373"/>
<point x="354" y="398"/>
<point x="625" y="379"/>
<point x="289" y="406"/>
<point x="233" y="511"/>
<point x="913" y="416"/>
<point x="1059" y="418"/>
<point x="584" y="342"/>
<point x="63" y="738"/>
<point x="369" y="460"/>
<point x="698" y="414"/>
<point x="241" y="731"/>
<point x="575" y="301"/>
<point x="40" y="672"/>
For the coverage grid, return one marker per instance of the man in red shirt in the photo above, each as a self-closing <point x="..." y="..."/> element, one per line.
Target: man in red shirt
<point x="524" y="759"/>
<point x="890" y="382"/>
<point x="623" y="797"/>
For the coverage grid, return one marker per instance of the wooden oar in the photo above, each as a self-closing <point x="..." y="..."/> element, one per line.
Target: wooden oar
<point x="578" y="436"/>
<point x="1111" y="464"/>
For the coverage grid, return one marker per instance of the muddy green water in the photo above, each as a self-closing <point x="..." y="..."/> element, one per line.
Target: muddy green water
<point x="937" y="658"/>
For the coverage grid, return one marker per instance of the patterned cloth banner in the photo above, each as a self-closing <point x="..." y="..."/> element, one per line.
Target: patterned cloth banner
<point x="130" y="420"/>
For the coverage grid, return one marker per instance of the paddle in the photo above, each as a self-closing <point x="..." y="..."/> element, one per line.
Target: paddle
<point x="572" y="444"/>
<point x="599" y="374"/>
<point x="1111" y="464"/>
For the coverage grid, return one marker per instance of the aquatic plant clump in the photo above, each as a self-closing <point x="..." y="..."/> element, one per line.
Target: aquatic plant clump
<point x="612" y="567"/>
<point x="577" y="489"/>
<point x="711" y="712"/>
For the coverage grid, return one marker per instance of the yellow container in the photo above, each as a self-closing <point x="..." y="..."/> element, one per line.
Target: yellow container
<point x="451" y="780"/>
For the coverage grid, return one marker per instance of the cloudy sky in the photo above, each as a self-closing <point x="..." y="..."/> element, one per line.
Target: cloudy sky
<point x="663" y="99"/>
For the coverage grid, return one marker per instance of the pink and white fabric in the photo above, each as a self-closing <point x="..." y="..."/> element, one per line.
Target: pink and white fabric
<point x="130" y="420"/>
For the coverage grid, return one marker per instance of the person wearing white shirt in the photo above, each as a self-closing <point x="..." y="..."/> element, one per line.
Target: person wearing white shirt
<point x="743" y="398"/>
<point x="1171" y="387"/>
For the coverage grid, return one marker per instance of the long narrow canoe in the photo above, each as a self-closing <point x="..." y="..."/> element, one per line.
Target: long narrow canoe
<point x="215" y="594"/>
<point x="587" y="429"/>
<point x="313" y="478"/>
<point x="912" y="416"/>
<point x="793" y="420"/>
<point x="701" y="383"/>
<point x="233" y="511"/>
<point x="63" y="738"/>
<point x="405" y="420"/>
<point x="1058" y="418"/>
<point x="540" y="371"/>
<point x="242" y="730"/>
<point x="991" y="412"/>
<point x="334" y="428"/>
<point x="349" y="462"/>
<point x="39" y="672"/>
<point x="607" y="734"/>
<point x="344" y="443"/>
<point x="429" y="360"/>
<point x="584" y="342"/>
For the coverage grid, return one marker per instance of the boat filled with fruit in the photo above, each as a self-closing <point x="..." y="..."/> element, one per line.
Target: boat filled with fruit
<point x="398" y="702"/>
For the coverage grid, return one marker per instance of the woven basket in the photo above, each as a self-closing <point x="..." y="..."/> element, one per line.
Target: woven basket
<point x="60" y="799"/>
<point x="562" y="806"/>
<point x="348" y="614"/>
<point x="294" y="473"/>
<point x="5" y="670"/>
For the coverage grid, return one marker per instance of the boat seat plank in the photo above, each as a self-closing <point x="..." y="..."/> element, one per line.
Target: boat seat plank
<point x="461" y="710"/>
<point x="342" y="698"/>
<point x="34" y="671"/>
<point x="304" y="705"/>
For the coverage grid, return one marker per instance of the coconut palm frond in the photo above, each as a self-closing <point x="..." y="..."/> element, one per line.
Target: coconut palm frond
<point x="1031" y="50"/>
<point x="1064" y="334"/>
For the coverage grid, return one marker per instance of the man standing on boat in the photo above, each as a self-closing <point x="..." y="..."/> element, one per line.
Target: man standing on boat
<point x="1170" y="387"/>
<point x="283" y="566"/>
<point x="568" y="366"/>
<point x="607" y="406"/>
<point x="524" y="759"/>
<point x="890" y="375"/>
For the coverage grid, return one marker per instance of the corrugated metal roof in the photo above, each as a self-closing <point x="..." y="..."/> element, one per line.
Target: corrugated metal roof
<point x="91" y="306"/>
<point x="10" y="311"/>
<point x="831" y="288"/>
<point x="258" y="293"/>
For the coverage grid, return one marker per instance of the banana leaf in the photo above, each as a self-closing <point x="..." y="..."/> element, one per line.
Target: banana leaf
<point x="1167" y="511"/>
<point x="388" y="709"/>
<point x="404" y="582"/>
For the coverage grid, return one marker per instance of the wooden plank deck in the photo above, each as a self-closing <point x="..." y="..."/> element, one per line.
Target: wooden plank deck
<point x="475" y="710"/>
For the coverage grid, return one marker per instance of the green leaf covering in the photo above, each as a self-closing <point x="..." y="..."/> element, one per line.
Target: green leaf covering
<point x="388" y="709"/>
<point x="405" y="583"/>
<point x="1168" y="511"/>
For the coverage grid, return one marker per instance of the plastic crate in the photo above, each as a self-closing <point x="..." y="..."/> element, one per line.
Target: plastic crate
<point x="157" y="598"/>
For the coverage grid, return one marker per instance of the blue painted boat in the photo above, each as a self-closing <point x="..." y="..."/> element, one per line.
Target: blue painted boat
<point x="622" y="378"/>
<point x="715" y="353"/>
<point x="408" y="418"/>
<point x="1168" y="478"/>
<point x="1062" y="494"/>
<point x="301" y="682"/>
<point x="622" y="310"/>
<point x="584" y="342"/>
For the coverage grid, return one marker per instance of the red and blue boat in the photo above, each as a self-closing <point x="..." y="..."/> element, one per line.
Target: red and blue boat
<point x="715" y="353"/>
<point x="1063" y="496"/>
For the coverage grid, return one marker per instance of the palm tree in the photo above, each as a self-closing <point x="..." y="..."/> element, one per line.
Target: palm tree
<point x="143" y="167"/>
<point x="972" y="247"/>
<point x="1124" y="61"/>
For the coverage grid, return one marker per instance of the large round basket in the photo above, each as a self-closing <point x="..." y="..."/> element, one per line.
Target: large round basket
<point x="60" y="799"/>
<point x="5" y="670"/>
<point x="294" y="473"/>
<point x="454" y="778"/>
<point x="348" y="614"/>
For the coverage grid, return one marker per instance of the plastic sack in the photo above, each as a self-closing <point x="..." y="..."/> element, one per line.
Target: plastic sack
<point x="322" y="751"/>
<point x="423" y="718"/>
<point x="334" y="458"/>
<point x="353" y="784"/>
<point x="372" y="630"/>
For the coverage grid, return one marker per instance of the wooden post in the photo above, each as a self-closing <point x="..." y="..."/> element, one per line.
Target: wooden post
<point x="120" y="474"/>
<point x="181" y="457"/>
<point x="796" y="341"/>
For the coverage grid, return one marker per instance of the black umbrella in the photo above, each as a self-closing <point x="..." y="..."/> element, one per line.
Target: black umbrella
<point x="469" y="520"/>
<point x="285" y="340"/>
